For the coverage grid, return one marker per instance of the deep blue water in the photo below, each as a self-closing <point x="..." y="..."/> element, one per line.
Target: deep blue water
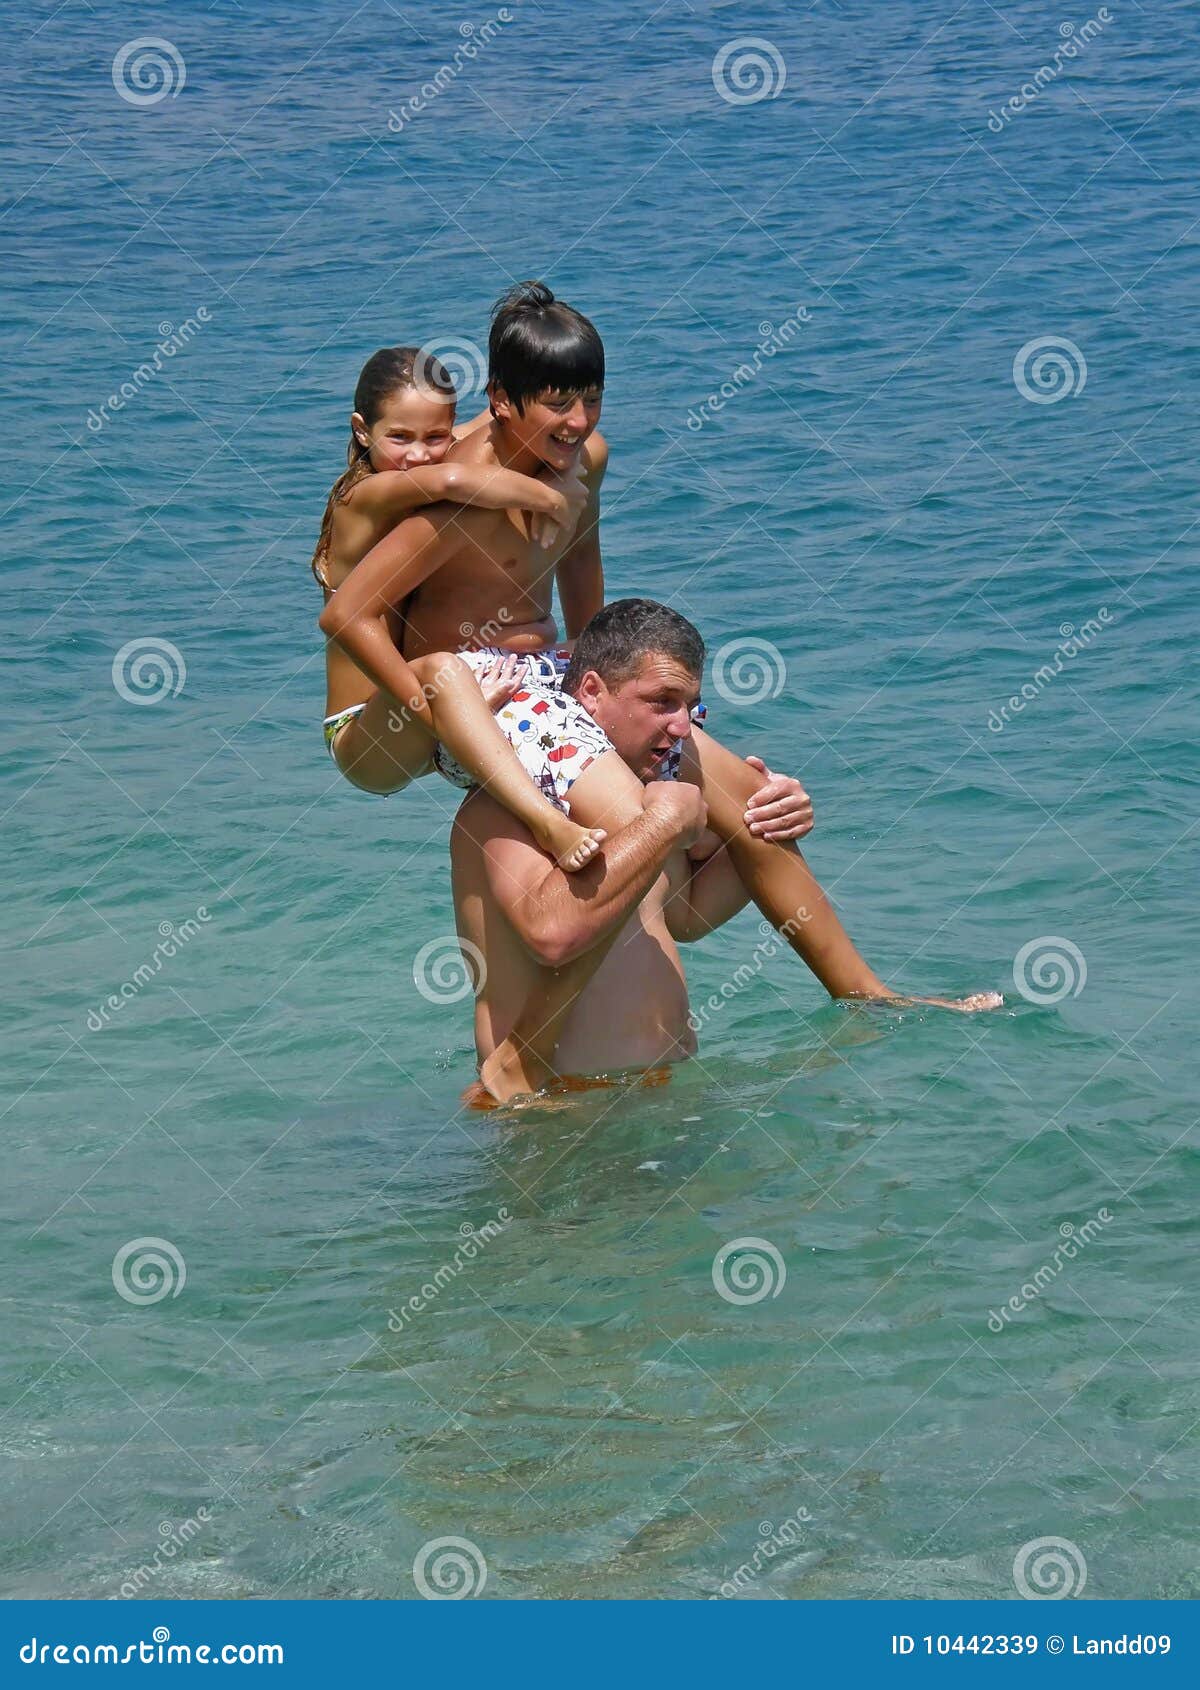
<point x="914" y="535"/>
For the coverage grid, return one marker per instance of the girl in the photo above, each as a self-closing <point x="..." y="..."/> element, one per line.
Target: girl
<point x="400" y="431"/>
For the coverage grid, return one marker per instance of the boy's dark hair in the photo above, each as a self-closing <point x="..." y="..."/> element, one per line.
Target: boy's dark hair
<point x="538" y="344"/>
<point x="619" y="638"/>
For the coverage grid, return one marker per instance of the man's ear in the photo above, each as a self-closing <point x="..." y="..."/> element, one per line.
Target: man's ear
<point x="499" y="403"/>
<point x="358" y="427"/>
<point x="590" y="691"/>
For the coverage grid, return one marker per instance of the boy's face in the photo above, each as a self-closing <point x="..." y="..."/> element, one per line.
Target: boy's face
<point x="554" y="425"/>
<point x="412" y="429"/>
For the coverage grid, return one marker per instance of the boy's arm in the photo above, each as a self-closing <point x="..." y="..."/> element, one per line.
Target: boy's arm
<point x="385" y="577"/>
<point x="712" y="893"/>
<point x="392" y="494"/>
<point x="580" y="570"/>
<point x="558" y="916"/>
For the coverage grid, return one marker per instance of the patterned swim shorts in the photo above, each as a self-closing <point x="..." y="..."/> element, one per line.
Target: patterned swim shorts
<point x="552" y="735"/>
<point x="554" y="738"/>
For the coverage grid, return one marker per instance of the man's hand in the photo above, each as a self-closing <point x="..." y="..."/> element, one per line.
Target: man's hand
<point x="780" y="809"/>
<point x="681" y="804"/>
<point x="551" y="531"/>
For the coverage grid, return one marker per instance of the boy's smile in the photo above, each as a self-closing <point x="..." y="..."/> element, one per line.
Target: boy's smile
<point x="553" y="426"/>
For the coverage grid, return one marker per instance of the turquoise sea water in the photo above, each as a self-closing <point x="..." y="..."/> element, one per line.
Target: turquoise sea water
<point x="916" y="538"/>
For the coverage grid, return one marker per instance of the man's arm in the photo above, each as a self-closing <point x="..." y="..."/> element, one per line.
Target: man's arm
<point x="580" y="570"/>
<point x="558" y="916"/>
<point x="711" y="894"/>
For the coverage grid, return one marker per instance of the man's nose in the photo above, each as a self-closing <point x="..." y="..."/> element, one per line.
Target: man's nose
<point x="417" y="455"/>
<point x="577" y="420"/>
<point x="680" y="725"/>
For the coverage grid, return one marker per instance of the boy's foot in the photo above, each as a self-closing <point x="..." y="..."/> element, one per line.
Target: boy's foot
<point x="511" y="1072"/>
<point x="964" y="1006"/>
<point x="571" y="846"/>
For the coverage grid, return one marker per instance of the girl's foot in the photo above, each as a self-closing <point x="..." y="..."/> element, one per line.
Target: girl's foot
<point x="571" y="846"/>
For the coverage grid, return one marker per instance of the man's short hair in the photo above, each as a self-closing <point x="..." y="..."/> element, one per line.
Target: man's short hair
<point x="539" y="344"/>
<point x="619" y="638"/>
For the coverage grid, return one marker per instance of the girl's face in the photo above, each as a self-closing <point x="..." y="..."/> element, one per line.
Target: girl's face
<point x="411" y="429"/>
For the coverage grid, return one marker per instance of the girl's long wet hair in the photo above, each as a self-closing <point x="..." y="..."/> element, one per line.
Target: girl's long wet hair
<point x="384" y="372"/>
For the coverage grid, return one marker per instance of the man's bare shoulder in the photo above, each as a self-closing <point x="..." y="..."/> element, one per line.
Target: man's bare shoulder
<point x="481" y="822"/>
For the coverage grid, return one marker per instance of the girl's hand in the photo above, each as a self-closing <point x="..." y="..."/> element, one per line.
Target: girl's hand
<point x="780" y="809"/>
<point x="500" y="681"/>
<point x="545" y="529"/>
<point x="571" y="489"/>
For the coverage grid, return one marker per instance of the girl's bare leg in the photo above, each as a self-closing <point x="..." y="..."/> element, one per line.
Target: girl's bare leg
<point x="467" y="728"/>
<point x="383" y="748"/>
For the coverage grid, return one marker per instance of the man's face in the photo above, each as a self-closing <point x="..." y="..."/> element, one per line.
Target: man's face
<point x="646" y="714"/>
<point x="553" y="426"/>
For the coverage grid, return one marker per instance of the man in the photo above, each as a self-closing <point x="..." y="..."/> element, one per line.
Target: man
<point x="458" y="572"/>
<point x="662" y="879"/>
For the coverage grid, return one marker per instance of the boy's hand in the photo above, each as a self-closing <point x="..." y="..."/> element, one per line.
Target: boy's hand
<point x="550" y="531"/>
<point x="780" y="809"/>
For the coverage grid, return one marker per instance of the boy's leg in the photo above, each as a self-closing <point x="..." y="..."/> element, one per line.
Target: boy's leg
<point x="776" y="875"/>
<point x="465" y="726"/>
